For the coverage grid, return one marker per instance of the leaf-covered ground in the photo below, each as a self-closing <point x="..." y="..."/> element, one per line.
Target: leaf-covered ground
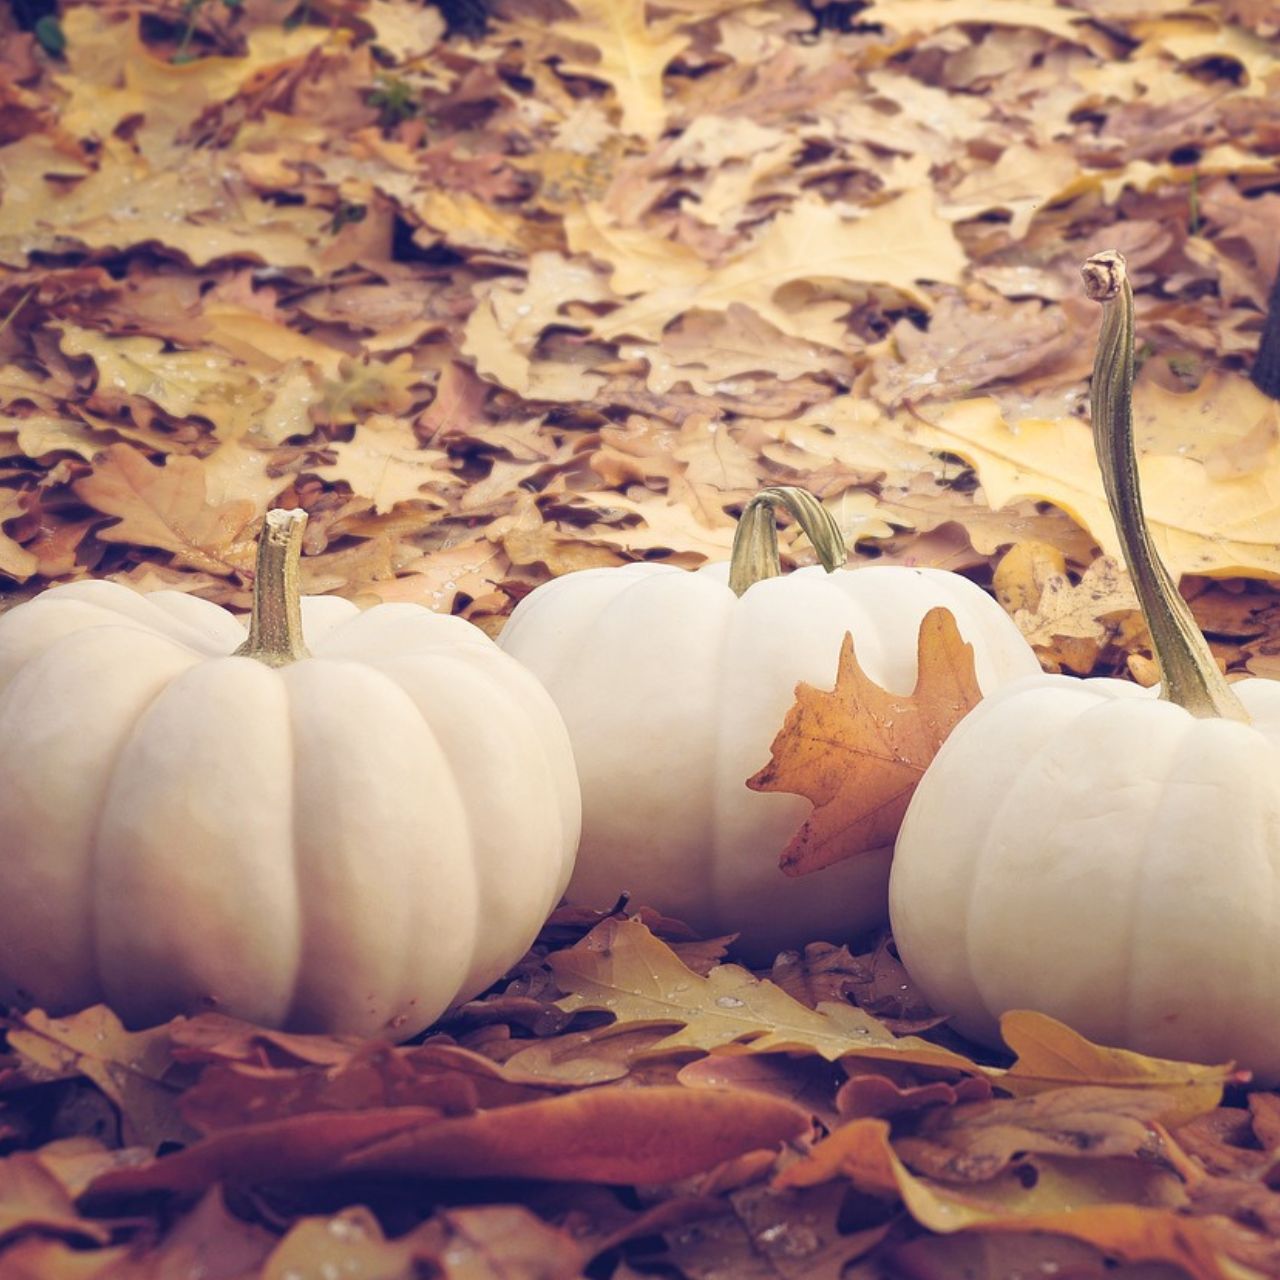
<point x="494" y="307"/>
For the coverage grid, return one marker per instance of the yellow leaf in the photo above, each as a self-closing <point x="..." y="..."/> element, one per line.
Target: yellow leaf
<point x="621" y="968"/>
<point x="1050" y="1054"/>
<point x="927" y="16"/>
<point x="384" y="461"/>
<point x="1082" y="1198"/>
<point x="404" y="31"/>
<point x="16" y="561"/>
<point x="897" y="244"/>
<point x="1225" y="423"/>
<point x="1060" y="619"/>
<point x="633" y="56"/>
<point x="1200" y="525"/>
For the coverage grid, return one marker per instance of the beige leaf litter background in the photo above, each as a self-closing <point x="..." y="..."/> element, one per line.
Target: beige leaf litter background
<point x="494" y="309"/>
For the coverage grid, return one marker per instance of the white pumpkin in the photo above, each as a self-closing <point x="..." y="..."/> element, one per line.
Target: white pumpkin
<point x="673" y="688"/>
<point x="349" y="841"/>
<point x="1095" y="852"/>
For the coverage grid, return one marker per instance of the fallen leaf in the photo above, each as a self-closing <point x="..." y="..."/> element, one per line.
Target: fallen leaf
<point x="1050" y="1054"/>
<point x="610" y="1134"/>
<point x="897" y="243"/>
<point x="621" y="968"/>
<point x="134" y="1069"/>
<point x="1199" y="525"/>
<point x="165" y="507"/>
<point x="633" y="54"/>
<point x="858" y="752"/>
<point x="1066" y="1198"/>
<point x="1065" y="622"/>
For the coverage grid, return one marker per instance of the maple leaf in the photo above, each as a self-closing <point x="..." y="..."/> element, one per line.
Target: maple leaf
<point x="858" y="752"/>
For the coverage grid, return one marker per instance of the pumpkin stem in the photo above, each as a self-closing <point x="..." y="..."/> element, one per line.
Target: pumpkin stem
<point x="275" y="626"/>
<point x="1189" y="676"/>
<point x="755" y="544"/>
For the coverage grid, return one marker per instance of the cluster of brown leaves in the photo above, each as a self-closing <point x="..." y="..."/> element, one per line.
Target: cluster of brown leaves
<point x="629" y="1106"/>
<point x="562" y="297"/>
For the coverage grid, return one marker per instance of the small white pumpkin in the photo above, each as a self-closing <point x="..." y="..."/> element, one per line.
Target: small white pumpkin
<point x="1098" y="853"/>
<point x="345" y="842"/>
<point x="673" y="685"/>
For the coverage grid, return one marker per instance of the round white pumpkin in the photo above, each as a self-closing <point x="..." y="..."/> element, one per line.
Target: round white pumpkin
<point x="1082" y="848"/>
<point x="347" y="842"/>
<point x="673" y="689"/>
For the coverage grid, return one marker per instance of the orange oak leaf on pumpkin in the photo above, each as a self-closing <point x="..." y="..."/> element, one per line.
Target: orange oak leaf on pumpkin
<point x="858" y="751"/>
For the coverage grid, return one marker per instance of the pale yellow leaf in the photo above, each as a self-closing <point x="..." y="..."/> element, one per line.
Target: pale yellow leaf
<point x="1199" y="525"/>
<point x="404" y="31"/>
<point x="633" y="54"/>
<point x="926" y="16"/>
<point x="897" y="244"/>
<point x="383" y="461"/>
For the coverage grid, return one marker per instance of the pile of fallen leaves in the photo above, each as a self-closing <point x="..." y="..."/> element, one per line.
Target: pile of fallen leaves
<point x="619" y="1111"/>
<point x="563" y="296"/>
<point x="496" y="306"/>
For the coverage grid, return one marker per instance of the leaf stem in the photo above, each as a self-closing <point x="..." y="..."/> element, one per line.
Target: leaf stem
<point x="275" y="626"/>
<point x="755" y="544"/>
<point x="1190" y="677"/>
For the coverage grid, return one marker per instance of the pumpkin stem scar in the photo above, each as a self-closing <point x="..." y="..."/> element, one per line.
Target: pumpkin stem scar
<point x="755" y="544"/>
<point x="275" y="626"/>
<point x="1189" y="676"/>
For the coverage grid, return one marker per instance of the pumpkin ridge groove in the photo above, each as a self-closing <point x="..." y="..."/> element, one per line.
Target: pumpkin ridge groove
<point x="122" y="743"/>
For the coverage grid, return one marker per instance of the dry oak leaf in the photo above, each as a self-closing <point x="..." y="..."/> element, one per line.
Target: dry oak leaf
<point x="1116" y="1205"/>
<point x="166" y="507"/>
<point x="633" y="55"/>
<point x="621" y="968"/>
<point x="1063" y="621"/>
<point x="858" y="751"/>
<point x="384" y="461"/>
<point x="483" y="1242"/>
<point x="896" y="243"/>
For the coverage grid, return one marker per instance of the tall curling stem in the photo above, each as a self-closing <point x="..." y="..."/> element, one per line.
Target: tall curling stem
<point x="755" y="544"/>
<point x="275" y="626"/>
<point x="1190" y="677"/>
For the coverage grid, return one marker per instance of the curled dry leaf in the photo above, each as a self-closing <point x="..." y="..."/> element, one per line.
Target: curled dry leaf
<point x="610" y="1135"/>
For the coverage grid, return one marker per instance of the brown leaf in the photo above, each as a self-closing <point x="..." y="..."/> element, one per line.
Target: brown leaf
<point x="858" y="752"/>
<point x="134" y="1069"/>
<point x="977" y="1141"/>
<point x="165" y="507"/>
<point x="611" y="1134"/>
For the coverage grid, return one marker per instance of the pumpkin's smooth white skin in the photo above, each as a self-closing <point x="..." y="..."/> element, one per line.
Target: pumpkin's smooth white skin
<point x="673" y="688"/>
<point x="1095" y="852"/>
<point x="1085" y="849"/>
<point x="349" y="842"/>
